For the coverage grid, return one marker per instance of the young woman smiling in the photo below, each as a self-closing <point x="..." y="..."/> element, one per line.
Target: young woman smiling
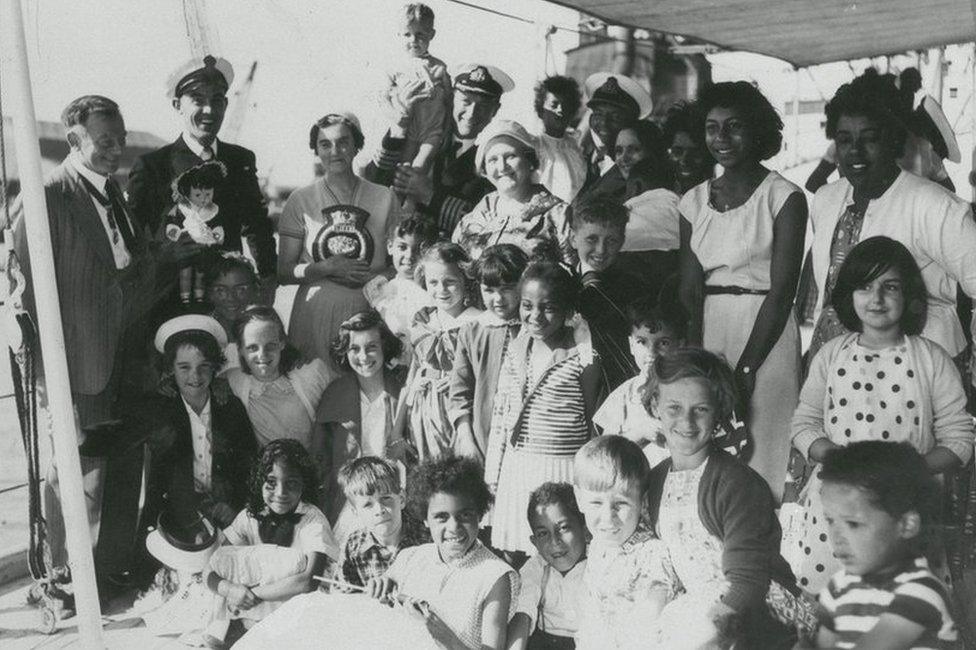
<point x="741" y="247"/>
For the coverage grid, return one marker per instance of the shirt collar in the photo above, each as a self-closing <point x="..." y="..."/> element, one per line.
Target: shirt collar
<point x="196" y="147"/>
<point x="204" y="414"/>
<point x="97" y="180"/>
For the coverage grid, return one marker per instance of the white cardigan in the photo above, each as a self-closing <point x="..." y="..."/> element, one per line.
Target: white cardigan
<point x="942" y="401"/>
<point x="935" y="225"/>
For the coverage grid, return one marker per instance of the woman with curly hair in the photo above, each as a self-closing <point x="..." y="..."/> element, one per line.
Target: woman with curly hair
<point x="355" y="416"/>
<point x="876" y="197"/>
<point x="276" y="544"/>
<point x="741" y="248"/>
<point x="466" y="594"/>
<point x="562" y="168"/>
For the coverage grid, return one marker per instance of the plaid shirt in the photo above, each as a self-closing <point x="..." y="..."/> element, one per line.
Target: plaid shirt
<point x="364" y="557"/>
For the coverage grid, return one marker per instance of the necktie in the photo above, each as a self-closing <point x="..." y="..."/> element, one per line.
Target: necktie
<point x="114" y="206"/>
<point x="207" y="154"/>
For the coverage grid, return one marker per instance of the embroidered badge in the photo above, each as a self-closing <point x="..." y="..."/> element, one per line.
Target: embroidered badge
<point x="344" y="233"/>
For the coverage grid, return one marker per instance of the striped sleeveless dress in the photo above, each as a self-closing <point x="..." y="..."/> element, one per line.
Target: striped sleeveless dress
<point x="542" y="425"/>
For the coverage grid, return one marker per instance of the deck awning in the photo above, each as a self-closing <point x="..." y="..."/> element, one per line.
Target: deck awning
<point x="802" y="32"/>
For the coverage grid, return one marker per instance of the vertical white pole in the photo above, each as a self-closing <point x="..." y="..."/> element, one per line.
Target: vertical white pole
<point x="49" y="325"/>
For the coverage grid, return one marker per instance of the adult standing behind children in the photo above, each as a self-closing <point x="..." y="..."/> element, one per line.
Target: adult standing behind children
<point x="332" y="238"/>
<point x="454" y="186"/>
<point x="519" y="211"/>
<point x="198" y="93"/>
<point x="615" y="102"/>
<point x="741" y="248"/>
<point x="106" y="274"/>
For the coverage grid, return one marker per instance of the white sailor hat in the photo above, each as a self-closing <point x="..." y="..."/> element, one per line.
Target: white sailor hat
<point x="183" y="540"/>
<point x="938" y="130"/>
<point x="484" y="79"/>
<point x="187" y="322"/>
<point x="199" y="69"/>
<point x="618" y="90"/>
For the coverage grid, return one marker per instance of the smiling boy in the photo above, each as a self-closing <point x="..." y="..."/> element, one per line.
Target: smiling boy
<point x="598" y="232"/>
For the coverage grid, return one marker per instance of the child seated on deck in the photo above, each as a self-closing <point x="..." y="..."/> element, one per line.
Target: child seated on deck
<point x="372" y="486"/>
<point x="626" y="583"/>
<point x="467" y="595"/>
<point x="547" y="613"/>
<point x="275" y="545"/>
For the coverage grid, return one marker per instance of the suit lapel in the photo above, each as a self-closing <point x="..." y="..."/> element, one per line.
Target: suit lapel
<point x="83" y="214"/>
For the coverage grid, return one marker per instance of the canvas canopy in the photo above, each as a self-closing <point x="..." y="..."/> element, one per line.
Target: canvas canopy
<point x="802" y="32"/>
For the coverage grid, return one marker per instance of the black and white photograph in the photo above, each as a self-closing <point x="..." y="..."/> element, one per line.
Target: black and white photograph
<point x="488" y="324"/>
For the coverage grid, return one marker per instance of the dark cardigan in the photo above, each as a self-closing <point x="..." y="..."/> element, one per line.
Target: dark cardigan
<point x="736" y="506"/>
<point x="339" y="417"/>
<point x="234" y="450"/>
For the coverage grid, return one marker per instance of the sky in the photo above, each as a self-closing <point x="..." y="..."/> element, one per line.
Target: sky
<point x="319" y="56"/>
<point x="314" y="57"/>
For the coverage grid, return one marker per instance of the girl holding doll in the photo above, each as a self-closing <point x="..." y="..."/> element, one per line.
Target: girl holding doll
<point x="550" y="385"/>
<point x="716" y="517"/>
<point x="883" y="381"/>
<point x="444" y="272"/>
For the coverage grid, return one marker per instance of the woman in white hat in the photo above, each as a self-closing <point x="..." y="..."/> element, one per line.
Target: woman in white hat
<point x="202" y="443"/>
<point x="332" y="238"/>
<point x="520" y="211"/>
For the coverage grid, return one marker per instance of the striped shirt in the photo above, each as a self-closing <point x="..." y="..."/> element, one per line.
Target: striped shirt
<point x="553" y="420"/>
<point x="851" y="605"/>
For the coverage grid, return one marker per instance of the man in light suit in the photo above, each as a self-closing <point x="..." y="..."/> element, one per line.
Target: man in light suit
<point x="198" y="92"/>
<point x="106" y="271"/>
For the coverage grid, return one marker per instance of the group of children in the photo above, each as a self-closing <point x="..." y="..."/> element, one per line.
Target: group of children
<point x="650" y="535"/>
<point x="532" y="457"/>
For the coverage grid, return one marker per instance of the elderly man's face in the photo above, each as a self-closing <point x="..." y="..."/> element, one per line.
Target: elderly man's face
<point x="202" y="107"/>
<point x="100" y="142"/>
<point x="472" y="113"/>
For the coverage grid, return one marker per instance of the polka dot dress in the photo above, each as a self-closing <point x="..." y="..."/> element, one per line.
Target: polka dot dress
<point x="872" y="395"/>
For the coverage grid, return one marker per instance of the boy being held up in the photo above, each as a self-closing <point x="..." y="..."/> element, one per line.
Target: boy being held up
<point x="599" y="225"/>
<point x="654" y="331"/>
<point x="426" y="118"/>
<point x="547" y="613"/>
<point x="372" y="486"/>
<point x="879" y="499"/>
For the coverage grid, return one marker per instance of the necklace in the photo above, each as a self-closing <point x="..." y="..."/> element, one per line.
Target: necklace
<point x="335" y="197"/>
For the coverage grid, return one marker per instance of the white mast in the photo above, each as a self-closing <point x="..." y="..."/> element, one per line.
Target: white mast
<point x="65" y="432"/>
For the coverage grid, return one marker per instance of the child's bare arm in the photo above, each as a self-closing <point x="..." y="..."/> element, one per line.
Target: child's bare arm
<point x="519" y="630"/>
<point x="826" y="638"/>
<point x="494" y="615"/>
<point x="293" y="585"/>
<point x="891" y="632"/>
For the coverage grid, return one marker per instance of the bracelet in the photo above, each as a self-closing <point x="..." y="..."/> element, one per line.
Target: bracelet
<point x="300" y="270"/>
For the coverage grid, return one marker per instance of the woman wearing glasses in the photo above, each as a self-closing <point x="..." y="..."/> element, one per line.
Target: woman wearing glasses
<point x="332" y="238"/>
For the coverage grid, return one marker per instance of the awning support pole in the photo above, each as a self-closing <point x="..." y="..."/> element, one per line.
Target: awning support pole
<point x="65" y="432"/>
